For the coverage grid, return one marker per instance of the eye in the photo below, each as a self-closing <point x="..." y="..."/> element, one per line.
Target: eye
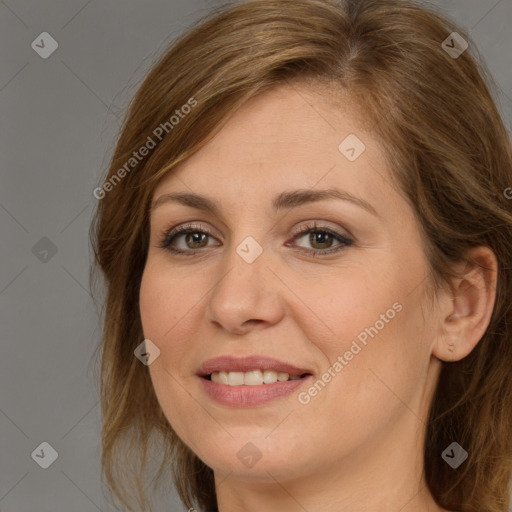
<point x="194" y="237"/>
<point x="322" y="239"/>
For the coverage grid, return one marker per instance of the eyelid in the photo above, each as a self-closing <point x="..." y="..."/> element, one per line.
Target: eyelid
<point x="169" y="232"/>
<point x="320" y="225"/>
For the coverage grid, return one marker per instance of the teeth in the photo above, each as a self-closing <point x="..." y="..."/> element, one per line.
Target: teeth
<point x="235" y="378"/>
<point x="220" y="377"/>
<point x="252" y="378"/>
<point x="269" y="376"/>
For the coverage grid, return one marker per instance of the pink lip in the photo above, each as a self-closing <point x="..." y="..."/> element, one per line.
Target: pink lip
<point x="249" y="396"/>
<point x="246" y="364"/>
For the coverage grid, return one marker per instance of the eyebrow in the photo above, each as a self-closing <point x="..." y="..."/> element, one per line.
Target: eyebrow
<point x="284" y="201"/>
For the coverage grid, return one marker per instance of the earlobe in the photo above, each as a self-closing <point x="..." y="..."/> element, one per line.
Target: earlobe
<point x="465" y="311"/>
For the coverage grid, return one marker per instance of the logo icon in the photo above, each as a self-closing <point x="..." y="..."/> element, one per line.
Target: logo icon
<point x="147" y="352"/>
<point x="45" y="455"/>
<point x="44" y="45"/>
<point x="44" y="250"/>
<point x="249" y="455"/>
<point x="352" y="147"/>
<point x="454" y="455"/>
<point x="249" y="249"/>
<point x="454" y="45"/>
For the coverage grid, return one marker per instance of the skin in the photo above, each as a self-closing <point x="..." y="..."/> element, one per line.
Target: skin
<point x="357" y="445"/>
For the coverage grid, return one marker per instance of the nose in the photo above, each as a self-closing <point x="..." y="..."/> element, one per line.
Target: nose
<point x="247" y="295"/>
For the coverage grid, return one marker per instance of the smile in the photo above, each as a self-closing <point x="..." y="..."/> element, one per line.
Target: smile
<point x="251" y="378"/>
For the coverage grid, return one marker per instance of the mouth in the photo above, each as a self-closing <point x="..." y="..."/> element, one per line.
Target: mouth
<point x="250" y="370"/>
<point x="252" y="377"/>
<point x="250" y="381"/>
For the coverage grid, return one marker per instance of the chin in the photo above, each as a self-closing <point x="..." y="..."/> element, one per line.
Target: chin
<point x="254" y="458"/>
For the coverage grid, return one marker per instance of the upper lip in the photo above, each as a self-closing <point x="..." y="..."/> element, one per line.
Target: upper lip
<point x="248" y="363"/>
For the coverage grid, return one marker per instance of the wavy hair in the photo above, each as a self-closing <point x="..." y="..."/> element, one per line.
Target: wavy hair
<point x="437" y="119"/>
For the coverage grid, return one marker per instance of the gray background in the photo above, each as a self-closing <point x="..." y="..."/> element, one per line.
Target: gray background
<point x="59" y="120"/>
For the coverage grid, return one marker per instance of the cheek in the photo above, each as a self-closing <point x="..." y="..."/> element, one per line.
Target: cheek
<point x="391" y="363"/>
<point x="165" y="302"/>
<point x="373" y="322"/>
<point x="167" y="309"/>
<point x="347" y="306"/>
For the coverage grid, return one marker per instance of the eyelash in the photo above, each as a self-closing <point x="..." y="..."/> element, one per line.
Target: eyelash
<point x="168" y="237"/>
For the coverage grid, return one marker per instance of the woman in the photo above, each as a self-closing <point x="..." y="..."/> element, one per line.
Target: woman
<point x="306" y="242"/>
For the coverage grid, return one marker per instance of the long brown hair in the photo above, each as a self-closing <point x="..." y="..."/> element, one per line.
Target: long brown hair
<point x="443" y="136"/>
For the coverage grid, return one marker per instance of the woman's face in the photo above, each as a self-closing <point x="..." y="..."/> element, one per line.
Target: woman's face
<point x="253" y="281"/>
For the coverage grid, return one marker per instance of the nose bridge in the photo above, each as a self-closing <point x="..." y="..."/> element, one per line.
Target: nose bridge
<point x="245" y="291"/>
<point x="243" y="267"/>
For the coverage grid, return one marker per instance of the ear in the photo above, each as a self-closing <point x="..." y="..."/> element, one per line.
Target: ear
<point x="465" y="310"/>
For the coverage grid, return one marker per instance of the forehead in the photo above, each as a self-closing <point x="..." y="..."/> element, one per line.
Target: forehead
<point x="286" y="138"/>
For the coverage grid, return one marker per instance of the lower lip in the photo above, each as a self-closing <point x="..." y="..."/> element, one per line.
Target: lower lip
<point x="250" y="396"/>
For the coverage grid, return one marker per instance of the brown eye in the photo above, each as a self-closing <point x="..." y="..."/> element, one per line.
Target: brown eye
<point x="321" y="240"/>
<point x="194" y="238"/>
